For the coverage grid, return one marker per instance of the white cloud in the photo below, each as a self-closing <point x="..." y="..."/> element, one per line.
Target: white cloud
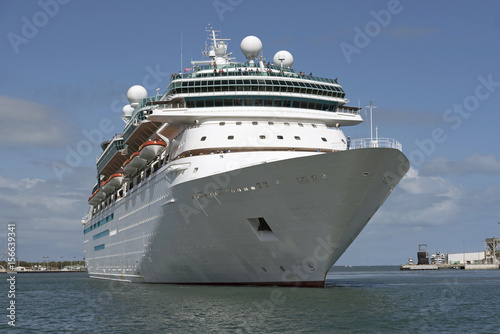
<point x="423" y="201"/>
<point x="47" y="213"/>
<point x="28" y="123"/>
<point x="476" y="163"/>
<point x="25" y="183"/>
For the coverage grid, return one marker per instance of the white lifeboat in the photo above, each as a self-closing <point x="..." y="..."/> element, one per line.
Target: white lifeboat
<point x="150" y="149"/>
<point x="100" y="195"/>
<point x="93" y="200"/>
<point x="115" y="180"/>
<point x="128" y="168"/>
<point x="136" y="161"/>
<point x="106" y="187"/>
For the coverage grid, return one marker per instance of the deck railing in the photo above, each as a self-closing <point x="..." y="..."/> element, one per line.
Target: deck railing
<point x="234" y="69"/>
<point x="354" y="144"/>
<point x="374" y="142"/>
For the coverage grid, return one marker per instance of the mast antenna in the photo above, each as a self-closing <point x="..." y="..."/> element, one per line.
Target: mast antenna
<point x="181" y="51"/>
<point x="371" y="106"/>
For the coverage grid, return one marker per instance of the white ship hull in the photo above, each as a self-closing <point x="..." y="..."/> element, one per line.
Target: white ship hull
<point x="175" y="228"/>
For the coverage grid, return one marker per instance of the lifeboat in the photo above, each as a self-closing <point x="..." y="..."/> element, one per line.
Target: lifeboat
<point x="150" y="149"/>
<point x="100" y="195"/>
<point x="106" y="187"/>
<point x="136" y="161"/>
<point x="115" y="181"/>
<point x="128" y="168"/>
<point x="93" y="200"/>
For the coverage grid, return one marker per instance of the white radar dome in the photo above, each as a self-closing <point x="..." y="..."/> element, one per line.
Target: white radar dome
<point x="283" y="59"/>
<point x="135" y="94"/>
<point x="127" y="111"/>
<point x="251" y="47"/>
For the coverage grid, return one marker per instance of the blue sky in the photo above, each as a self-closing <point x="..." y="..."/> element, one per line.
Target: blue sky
<point x="430" y="67"/>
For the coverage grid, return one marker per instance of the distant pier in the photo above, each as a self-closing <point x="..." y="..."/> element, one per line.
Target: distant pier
<point x="448" y="266"/>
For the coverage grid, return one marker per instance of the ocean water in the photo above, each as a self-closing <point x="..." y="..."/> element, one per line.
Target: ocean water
<point x="356" y="300"/>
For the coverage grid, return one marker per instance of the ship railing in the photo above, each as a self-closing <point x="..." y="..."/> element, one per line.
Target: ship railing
<point x="268" y="71"/>
<point x="373" y="143"/>
<point x="349" y="110"/>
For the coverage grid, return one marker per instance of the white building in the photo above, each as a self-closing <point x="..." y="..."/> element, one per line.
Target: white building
<point x="467" y="258"/>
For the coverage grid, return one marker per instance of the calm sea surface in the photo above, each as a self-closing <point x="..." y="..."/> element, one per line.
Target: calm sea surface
<point x="357" y="300"/>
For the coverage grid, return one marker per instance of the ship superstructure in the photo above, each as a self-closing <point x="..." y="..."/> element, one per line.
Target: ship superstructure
<point x="240" y="173"/>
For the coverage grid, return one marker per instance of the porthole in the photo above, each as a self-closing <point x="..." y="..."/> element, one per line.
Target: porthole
<point x="323" y="138"/>
<point x="255" y="123"/>
<point x="222" y="123"/>
<point x="230" y="137"/>
<point x="297" y="137"/>
<point x="203" y="138"/>
<point x="301" y="125"/>
<point x="262" y="137"/>
<point x="270" y="123"/>
<point x="280" y="137"/>
<point x="238" y="123"/>
<point x="314" y="125"/>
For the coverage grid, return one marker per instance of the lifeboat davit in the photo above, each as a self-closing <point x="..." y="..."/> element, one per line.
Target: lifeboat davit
<point x="128" y="168"/>
<point x="136" y="161"/>
<point x="150" y="149"/>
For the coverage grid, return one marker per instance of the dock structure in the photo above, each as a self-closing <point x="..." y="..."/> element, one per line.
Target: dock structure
<point x="487" y="259"/>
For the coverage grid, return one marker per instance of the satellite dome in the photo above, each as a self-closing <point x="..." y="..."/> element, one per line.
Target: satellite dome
<point x="251" y="47"/>
<point x="283" y="58"/>
<point x="127" y="111"/>
<point x="135" y="94"/>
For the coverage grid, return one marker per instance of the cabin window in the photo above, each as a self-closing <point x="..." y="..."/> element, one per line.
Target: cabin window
<point x="222" y="123"/>
<point x="280" y="137"/>
<point x="255" y="123"/>
<point x="203" y="138"/>
<point x="262" y="137"/>
<point x="270" y="123"/>
<point x="238" y="123"/>
<point x="230" y="137"/>
<point x="323" y="138"/>
<point x="301" y="125"/>
<point x="286" y="124"/>
<point x="314" y="125"/>
<point x="297" y="137"/>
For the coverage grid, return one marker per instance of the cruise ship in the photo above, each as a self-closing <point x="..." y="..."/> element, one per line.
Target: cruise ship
<point x="239" y="173"/>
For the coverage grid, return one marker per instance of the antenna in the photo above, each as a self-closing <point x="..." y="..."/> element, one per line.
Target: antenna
<point x="181" y="51"/>
<point x="371" y="120"/>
